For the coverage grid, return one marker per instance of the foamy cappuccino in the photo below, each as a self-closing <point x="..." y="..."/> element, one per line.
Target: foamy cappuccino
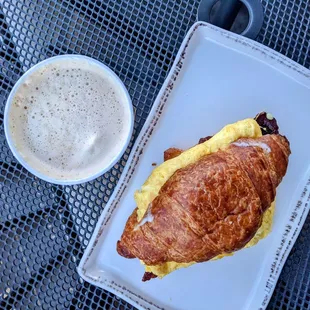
<point x="69" y="119"/>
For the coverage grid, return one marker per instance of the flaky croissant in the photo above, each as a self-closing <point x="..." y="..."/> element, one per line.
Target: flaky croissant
<point x="211" y="207"/>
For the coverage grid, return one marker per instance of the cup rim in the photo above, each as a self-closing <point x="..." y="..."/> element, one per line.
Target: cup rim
<point x="16" y="153"/>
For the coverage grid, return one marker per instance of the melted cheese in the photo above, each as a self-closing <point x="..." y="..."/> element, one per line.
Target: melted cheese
<point x="247" y="128"/>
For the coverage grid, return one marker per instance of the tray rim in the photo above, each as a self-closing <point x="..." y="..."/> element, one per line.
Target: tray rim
<point x="287" y="65"/>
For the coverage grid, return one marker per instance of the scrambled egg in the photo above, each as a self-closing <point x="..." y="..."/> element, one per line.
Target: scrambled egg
<point x="247" y="128"/>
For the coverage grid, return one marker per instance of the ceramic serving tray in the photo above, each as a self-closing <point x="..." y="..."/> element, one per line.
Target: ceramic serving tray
<point x="217" y="78"/>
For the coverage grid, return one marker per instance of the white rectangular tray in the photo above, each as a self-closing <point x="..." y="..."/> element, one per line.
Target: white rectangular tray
<point x="217" y="78"/>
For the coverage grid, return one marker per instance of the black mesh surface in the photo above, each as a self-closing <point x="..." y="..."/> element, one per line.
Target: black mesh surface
<point x="44" y="229"/>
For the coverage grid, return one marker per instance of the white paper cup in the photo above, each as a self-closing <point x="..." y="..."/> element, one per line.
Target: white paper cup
<point x="33" y="169"/>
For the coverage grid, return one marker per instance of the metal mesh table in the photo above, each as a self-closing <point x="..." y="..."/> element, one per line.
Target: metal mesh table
<point x="44" y="228"/>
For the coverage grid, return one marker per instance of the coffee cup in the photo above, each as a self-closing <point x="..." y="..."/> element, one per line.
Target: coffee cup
<point x="68" y="119"/>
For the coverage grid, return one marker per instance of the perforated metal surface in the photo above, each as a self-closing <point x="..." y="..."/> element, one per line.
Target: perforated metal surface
<point x="44" y="229"/>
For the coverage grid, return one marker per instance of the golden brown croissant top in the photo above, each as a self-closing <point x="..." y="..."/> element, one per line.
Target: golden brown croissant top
<point x="210" y="207"/>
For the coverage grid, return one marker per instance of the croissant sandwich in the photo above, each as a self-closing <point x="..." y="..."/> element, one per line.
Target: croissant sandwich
<point x="208" y="201"/>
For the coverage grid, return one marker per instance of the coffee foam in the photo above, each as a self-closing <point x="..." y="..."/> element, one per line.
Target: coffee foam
<point x="69" y="119"/>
